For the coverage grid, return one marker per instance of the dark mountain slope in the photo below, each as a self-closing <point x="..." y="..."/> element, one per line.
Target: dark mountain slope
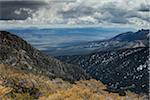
<point x="18" y="53"/>
<point x="132" y="36"/>
<point x="120" y="70"/>
<point x="123" y="41"/>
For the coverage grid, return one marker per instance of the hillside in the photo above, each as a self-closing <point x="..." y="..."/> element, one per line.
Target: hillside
<point x="18" y="53"/>
<point x="26" y="73"/>
<point x="125" y="69"/>
<point x="20" y="85"/>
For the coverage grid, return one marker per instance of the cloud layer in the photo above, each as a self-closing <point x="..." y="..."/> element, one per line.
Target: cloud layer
<point x="133" y="13"/>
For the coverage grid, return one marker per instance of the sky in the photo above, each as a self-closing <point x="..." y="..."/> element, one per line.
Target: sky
<point x="74" y="13"/>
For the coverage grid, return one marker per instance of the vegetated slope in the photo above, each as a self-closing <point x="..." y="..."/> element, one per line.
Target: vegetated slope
<point x="19" y="85"/>
<point x="125" y="69"/>
<point x="21" y="55"/>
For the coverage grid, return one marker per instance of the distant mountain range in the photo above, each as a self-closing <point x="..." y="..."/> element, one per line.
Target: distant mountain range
<point x="121" y="41"/>
<point x="120" y="62"/>
<point x="124" y="40"/>
<point x="131" y="36"/>
<point x="17" y="52"/>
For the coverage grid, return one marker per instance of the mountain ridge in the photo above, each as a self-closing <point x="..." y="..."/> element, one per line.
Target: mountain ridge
<point x="17" y="52"/>
<point x="125" y="40"/>
<point x="132" y="36"/>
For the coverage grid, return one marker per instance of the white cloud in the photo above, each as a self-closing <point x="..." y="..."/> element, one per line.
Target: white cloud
<point x="90" y="12"/>
<point x="139" y="22"/>
<point x="19" y="11"/>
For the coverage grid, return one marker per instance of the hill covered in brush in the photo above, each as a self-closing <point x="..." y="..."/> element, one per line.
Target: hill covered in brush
<point x="20" y="85"/>
<point x="125" y="69"/>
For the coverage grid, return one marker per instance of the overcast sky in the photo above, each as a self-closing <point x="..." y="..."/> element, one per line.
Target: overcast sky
<point x="54" y="13"/>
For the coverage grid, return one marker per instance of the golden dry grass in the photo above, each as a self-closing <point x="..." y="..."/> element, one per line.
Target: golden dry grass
<point x="19" y="85"/>
<point x="89" y="90"/>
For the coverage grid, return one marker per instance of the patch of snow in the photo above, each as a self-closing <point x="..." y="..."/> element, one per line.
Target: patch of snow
<point x="141" y="67"/>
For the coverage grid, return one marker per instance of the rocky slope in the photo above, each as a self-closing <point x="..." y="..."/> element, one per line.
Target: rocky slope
<point x="125" y="69"/>
<point x="19" y="85"/>
<point x="18" y="53"/>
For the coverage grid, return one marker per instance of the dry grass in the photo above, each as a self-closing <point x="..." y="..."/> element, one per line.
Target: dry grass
<point x="19" y="85"/>
<point x="90" y="90"/>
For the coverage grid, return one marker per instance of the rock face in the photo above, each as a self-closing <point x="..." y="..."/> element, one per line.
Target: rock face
<point x="125" y="69"/>
<point x="18" y="53"/>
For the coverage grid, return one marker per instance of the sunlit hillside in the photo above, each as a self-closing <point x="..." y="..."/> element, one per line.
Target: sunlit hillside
<point x="19" y="85"/>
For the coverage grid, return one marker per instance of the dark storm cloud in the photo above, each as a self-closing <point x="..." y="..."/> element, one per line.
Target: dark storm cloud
<point x="121" y="15"/>
<point x="78" y="12"/>
<point x="8" y="8"/>
<point x="114" y="14"/>
<point x="144" y="8"/>
<point x="110" y="13"/>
